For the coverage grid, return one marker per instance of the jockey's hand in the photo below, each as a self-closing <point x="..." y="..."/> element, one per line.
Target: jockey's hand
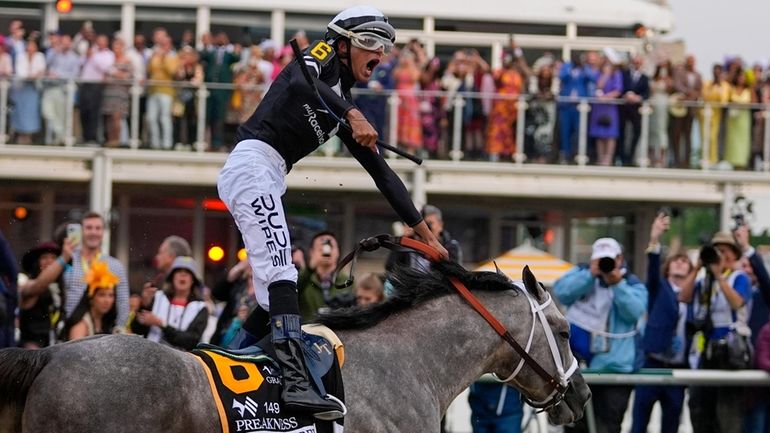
<point x="440" y="248"/>
<point x="363" y="132"/>
<point x="427" y="236"/>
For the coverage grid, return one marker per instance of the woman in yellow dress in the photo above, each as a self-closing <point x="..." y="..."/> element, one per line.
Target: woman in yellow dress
<point x="715" y="93"/>
<point x="738" y="142"/>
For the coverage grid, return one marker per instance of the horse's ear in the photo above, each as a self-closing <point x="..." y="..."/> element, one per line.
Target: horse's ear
<point x="531" y="283"/>
<point x="497" y="269"/>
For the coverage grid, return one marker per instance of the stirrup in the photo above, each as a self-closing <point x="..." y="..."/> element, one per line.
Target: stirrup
<point x="332" y="414"/>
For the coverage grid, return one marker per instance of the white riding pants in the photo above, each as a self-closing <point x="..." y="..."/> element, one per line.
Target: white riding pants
<point x="251" y="185"/>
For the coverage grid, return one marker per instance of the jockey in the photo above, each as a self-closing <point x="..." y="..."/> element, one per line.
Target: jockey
<point x="288" y="124"/>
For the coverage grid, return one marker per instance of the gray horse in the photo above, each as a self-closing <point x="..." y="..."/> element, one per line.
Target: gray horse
<point x="405" y="361"/>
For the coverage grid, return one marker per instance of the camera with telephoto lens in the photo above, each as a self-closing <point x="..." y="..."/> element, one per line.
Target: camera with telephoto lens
<point x="607" y="264"/>
<point x="326" y="248"/>
<point x="709" y="255"/>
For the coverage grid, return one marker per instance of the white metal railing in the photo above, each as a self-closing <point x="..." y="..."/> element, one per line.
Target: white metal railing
<point x="453" y="113"/>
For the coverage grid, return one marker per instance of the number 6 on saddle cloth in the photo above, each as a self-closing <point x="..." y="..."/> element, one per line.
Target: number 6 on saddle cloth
<point x="246" y="383"/>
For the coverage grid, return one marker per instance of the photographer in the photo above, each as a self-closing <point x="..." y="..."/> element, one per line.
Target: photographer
<point x="604" y="303"/>
<point x="664" y="342"/>
<point x="316" y="288"/>
<point x="716" y="302"/>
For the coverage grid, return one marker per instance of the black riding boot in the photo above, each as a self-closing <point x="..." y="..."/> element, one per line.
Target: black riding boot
<point x="298" y="393"/>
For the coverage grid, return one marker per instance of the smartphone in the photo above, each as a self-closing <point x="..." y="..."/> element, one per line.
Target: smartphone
<point x="75" y="233"/>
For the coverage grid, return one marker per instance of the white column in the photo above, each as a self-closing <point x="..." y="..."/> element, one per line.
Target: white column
<point x="419" y="194"/>
<point x="571" y="31"/>
<point x="97" y="181"/>
<point x="521" y="117"/>
<point x="127" y="18"/>
<point x="50" y="17"/>
<point x="497" y="55"/>
<point x="708" y="116"/>
<point x="457" y="129"/>
<point x="202" y="24"/>
<point x="428" y="27"/>
<point x="583" y="109"/>
<point x="644" y="139"/>
<point x="101" y="192"/>
<point x="277" y="26"/>
<point x="5" y="85"/>
<point x="566" y="53"/>
<point x="200" y="132"/>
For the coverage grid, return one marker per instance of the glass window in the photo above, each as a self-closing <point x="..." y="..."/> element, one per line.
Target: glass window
<point x="105" y="19"/>
<point x="406" y="23"/>
<point x="500" y="27"/>
<point x="30" y="14"/>
<point x="246" y="27"/>
<point x="605" y="32"/>
<point x="587" y="230"/>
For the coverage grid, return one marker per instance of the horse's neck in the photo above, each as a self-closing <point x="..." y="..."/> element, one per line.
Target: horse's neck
<point x="438" y="349"/>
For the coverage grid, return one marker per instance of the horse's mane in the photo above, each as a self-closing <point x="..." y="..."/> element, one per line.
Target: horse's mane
<point x="412" y="287"/>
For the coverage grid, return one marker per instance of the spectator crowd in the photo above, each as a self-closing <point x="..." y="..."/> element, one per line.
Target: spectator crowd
<point x="687" y="113"/>
<point x="707" y="313"/>
<point x="704" y="312"/>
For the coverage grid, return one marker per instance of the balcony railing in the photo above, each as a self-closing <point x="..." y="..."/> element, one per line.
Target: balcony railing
<point x="437" y="124"/>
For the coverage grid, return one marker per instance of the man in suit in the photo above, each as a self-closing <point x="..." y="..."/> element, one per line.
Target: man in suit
<point x="636" y="89"/>
<point x="219" y="61"/>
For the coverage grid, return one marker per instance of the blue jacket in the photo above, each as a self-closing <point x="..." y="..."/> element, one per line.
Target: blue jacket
<point x="581" y="83"/>
<point x="663" y="310"/>
<point x="628" y="305"/>
<point x="761" y="299"/>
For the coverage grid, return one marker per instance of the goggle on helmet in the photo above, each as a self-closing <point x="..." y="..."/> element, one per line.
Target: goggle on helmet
<point x="366" y="27"/>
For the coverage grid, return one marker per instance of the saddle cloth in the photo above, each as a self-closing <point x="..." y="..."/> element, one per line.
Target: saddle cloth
<point x="246" y="384"/>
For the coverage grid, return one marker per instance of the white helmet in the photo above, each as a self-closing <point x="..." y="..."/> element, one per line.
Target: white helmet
<point x="365" y="26"/>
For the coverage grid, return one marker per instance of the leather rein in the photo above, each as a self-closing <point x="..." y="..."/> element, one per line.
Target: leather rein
<point x="404" y="244"/>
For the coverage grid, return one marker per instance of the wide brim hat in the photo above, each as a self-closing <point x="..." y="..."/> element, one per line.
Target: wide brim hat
<point x="185" y="263"/>
<point x="726" y="238"/>
<point x="30" y="258"/>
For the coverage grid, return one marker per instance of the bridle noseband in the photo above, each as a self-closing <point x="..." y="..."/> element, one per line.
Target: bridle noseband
<point x="558" y="385"/>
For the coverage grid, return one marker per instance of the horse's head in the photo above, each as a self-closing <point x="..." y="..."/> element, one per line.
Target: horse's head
<point x="551" y="378"/>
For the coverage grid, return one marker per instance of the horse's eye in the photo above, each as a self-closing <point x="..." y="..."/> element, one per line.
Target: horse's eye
<point x="564" y="335"/>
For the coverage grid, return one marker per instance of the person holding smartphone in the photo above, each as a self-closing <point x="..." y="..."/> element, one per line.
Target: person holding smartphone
<point x="75" y="261"/>
<point x="316" y="288"/>
<point x="665" y="341"/>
